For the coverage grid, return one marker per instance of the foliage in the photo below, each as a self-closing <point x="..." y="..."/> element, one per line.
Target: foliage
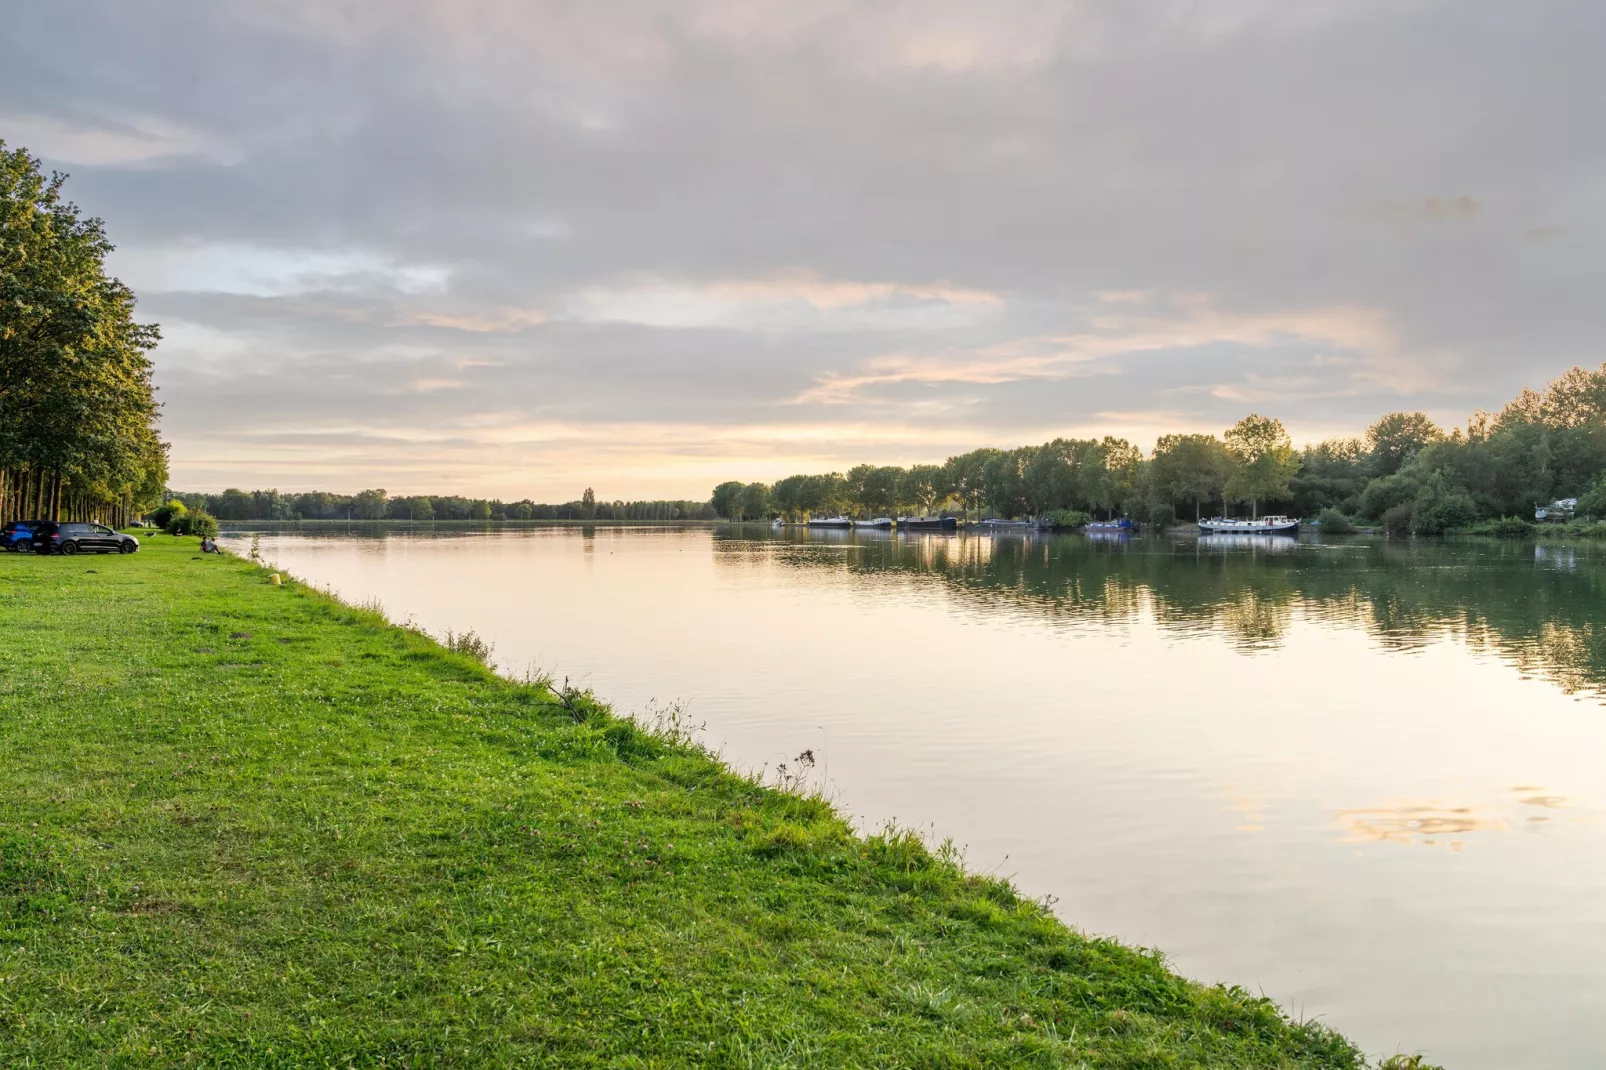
<point x="1190" y="468"/>
<point x="1263" y="459"/>
<point x="1440" y="507"/>
<point x="198" y="523"/>
<point x="1396" y="520"/>
<point x="1397" y="438"/>
<point x="1069" y="519"/>
<point x="1332" y="475"/>
<point x="1512" y="527"/>
<point x="1333" y="522"/>
<point x="469" y="644"/>
<point x="726" y="499"/>
<point x="77" y="408"/>
<point x="201" y="524"/>
<point x="264" y="828"/>
<point x="163" y="514"/>
<point x="1384" y="494"/>
<point x="1592" y="502"/>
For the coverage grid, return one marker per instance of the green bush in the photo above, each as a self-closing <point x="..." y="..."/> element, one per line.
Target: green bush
<point x="1333" y="522"/>
<point x="163" y="515"/>
<point x="1397" y="520"/>
<point x="1382" y="495"/>
<point x="1441" y="507"/>
<point x="201" y="524"/>
<point x="1068" y="518"/>
<point x="1593" y="501"/>
<point x="1511" y="527"/>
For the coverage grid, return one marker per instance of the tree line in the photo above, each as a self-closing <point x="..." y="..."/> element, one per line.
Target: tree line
<point x="78" y="411"/>
<point x="376" y="504"/>
<point x="1406" y="474"/>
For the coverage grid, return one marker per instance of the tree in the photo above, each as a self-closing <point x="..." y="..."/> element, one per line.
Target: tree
<point x="727" y="499"/>
<point x="588" y="505"/>
<point x="77" y="408"/>
<point x="924" y="486"/>
<point x="1191" y="468"/>
<point x="754" y="503"/>
<point x="1397" y="438"/>
<point x="370" y="505"/>
<point x="875" y="488"/>
<point x="1263" y="461"/>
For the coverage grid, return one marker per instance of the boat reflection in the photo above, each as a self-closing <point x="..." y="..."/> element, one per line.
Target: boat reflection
<point x="1269" y="544"/>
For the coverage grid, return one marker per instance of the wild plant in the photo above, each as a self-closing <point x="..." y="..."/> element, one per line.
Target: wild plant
<point x="469" y="643"/>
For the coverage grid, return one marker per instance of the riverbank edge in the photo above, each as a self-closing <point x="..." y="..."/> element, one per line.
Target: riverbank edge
<point x="1076" y="996"/>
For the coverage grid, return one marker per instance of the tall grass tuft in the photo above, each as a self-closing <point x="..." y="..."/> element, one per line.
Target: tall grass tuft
<point x="469" y="643"/>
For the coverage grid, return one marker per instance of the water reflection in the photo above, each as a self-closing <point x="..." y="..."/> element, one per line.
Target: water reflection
<point x="1405" y="594"/>
<point x="1428" y="824"/>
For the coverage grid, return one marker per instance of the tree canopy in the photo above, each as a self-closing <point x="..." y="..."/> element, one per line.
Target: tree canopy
<point x="77" y="408"/>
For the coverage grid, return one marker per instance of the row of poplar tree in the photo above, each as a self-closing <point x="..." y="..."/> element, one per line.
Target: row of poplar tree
<point x="78" y="412"/>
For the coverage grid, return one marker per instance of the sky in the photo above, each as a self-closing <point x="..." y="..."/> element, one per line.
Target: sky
<point x="517" y="249"/>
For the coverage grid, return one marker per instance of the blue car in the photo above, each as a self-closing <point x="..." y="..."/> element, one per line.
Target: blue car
<point x="16" y="536"/>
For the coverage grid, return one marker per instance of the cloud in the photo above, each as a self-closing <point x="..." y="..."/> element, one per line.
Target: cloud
<point x="650" y="226"/>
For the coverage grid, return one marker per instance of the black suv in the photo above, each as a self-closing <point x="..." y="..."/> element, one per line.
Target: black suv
<point x="53" y="538"/>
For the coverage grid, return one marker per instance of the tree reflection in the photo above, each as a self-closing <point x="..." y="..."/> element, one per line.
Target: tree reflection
<point x="1537" y="609"/>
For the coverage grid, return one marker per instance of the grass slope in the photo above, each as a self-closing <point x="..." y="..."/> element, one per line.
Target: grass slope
<point x="246" y="825"/>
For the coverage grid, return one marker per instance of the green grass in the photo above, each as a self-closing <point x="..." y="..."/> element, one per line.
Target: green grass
<point x="246" y="825"/>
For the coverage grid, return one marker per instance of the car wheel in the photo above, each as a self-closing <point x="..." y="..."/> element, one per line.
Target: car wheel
<point x="69" y="548"/>
<point x="127" y="548"/>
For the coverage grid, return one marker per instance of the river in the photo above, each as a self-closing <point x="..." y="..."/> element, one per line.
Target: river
<point x="1365" y="778"/>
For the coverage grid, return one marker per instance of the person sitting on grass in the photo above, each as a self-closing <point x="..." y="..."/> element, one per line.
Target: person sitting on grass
<point x="209" y="545"/>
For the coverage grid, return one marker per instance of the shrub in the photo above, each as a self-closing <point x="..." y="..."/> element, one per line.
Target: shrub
<point x="1441" y="507"/>
<point x="1593" y="501"/>
<point x="1068" y="518"/>
<point x="1397" y="520"/>
<point x="1511" y="527"/>
<point x="1384" y="494"/>
<point x="163" y="515"/>
<point x="469" y="643"/>
<point x="1332" y="522"/>
<point x="200" y="523"/>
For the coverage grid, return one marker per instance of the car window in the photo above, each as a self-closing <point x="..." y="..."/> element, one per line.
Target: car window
<point x="103" y="531"/>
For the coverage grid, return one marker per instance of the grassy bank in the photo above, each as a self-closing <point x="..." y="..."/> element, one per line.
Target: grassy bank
<point x="246" y="825"/>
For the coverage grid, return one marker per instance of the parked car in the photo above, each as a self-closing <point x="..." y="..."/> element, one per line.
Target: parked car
<point x="17" y="535"/>
<point x="70" y="538"/>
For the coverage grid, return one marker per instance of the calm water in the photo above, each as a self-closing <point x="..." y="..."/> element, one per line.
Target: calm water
<point x="1366" y="779"/>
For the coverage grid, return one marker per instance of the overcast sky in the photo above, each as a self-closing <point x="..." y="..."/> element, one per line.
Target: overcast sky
<point x="522" y="248"/>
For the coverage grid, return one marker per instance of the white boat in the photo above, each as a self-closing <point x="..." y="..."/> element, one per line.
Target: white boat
<point x="1266" y="525"/>
<point x="880" y="523"/>
<point x="778" y="523"/>
<point x="830" y="522"/>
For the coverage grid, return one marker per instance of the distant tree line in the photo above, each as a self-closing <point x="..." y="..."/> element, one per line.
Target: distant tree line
<point x="78" y="413"/>
<point x="1407" y="474"/>
<point x="235" y="504"/>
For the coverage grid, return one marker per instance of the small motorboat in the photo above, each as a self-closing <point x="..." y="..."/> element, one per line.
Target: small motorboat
<point x="880" y="523"/>
<point x="1265" y="525"/>
<point x="928" y="523"/>
<point x="830" y="522"/>
<point x="777" y="523"/>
